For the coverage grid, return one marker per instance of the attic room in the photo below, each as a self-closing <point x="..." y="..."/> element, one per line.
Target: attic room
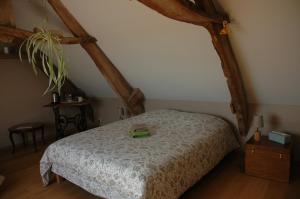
<point x="149" y="99"/>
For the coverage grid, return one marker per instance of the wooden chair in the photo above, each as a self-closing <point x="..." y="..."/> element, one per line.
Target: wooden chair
<point x="22" y="129"/>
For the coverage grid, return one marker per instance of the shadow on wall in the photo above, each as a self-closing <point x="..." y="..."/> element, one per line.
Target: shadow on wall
<point x="275" y="122"/>
<point x="283" y="118"/>
<point x="21" y="98"/>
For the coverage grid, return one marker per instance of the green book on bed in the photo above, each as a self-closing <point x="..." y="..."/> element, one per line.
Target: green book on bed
<point x="139" y="131"/>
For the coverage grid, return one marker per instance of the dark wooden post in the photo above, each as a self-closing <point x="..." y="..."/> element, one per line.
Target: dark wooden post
<point x="230" y="68"/>
<point x="203" y="13"/>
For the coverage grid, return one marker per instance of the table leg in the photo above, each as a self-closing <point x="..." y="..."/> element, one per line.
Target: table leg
<point x="12" y="142"/>
<point x="58" y="128"/>
<point x="59" y="179"/>
<point x="23" y="137"/>
<point x="43" y="135"/>
<point x="34" y="141"/>
<point x="83" y="121"/>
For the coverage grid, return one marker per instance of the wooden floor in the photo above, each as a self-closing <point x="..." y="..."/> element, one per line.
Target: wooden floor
<point x="225" y="181"/>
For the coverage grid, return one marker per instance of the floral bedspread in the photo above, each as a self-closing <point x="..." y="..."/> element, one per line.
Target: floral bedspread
<point x="108" y="163"/>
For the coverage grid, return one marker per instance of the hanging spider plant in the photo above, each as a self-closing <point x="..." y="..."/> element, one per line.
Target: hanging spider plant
<point x="44" y="46"/>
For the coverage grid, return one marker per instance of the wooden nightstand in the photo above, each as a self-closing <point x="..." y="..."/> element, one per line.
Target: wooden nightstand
<point x="268" y="159"/>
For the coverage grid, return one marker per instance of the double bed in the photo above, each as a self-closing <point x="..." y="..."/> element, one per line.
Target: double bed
<point x="107" y="162"/>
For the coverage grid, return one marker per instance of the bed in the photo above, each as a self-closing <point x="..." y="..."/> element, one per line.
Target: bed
<point x="107" y="162"/>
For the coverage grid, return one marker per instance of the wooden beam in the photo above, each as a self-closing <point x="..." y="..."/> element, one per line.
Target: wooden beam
<point x="199" y="5"/>
<point x="6" y="39"/>
<point x="7" y="17"/>
<point x="182" y="10"/>
<point x="107" y="68"/>
<point x="231" y="70"/>
<point x="209" y="6"/>
<point x="7" y="35"/>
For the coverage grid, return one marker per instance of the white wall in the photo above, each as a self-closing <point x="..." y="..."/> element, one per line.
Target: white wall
<point x="22" y="99"/>
<point x="276" y="117"/>
<point x="265" y="36"/>
<point x="173" y="60"/>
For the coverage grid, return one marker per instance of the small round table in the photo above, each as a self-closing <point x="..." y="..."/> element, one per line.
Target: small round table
<point x="21" y="129"/>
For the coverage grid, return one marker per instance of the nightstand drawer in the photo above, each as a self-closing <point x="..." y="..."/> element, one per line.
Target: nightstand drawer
<point x="267" y="164"/>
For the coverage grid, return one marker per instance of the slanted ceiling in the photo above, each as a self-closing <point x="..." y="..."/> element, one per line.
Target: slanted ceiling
<point x="149" y="49"/>
<point x="173" y="60"/>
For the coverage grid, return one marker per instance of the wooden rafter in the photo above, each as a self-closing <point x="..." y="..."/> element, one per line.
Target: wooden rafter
<point x="198" y="12"/>
<point x="9" y="33"/>
<point x="183" y="10"/>
<point x="204" y="13"/>
<point x="231" y="70"/>
<point x="133" y="98"/>
<point x="19" y="34"/>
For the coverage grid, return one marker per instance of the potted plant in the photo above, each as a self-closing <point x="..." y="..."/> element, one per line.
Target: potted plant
<point x="44" y="46"/>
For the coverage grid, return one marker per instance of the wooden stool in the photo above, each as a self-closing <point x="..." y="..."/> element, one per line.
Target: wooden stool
<point x="26" y="128"/>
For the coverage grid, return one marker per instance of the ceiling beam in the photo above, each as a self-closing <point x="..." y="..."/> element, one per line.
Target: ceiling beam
<point x="231" y="70"/>
<point x="183" y="10"/>
<point x="207" y="16"/>
<point x="8" y="35"/>
<point x="132" y="98"/>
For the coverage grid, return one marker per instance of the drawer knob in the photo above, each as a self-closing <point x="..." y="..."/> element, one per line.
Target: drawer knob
<point x="252" y="150"/>
<point x="280" y="156"/>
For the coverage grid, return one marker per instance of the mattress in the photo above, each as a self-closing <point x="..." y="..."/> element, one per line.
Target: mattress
<point x="107" y="162"/>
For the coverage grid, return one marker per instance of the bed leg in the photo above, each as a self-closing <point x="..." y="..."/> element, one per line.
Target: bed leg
<point x="59" y="179"/>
